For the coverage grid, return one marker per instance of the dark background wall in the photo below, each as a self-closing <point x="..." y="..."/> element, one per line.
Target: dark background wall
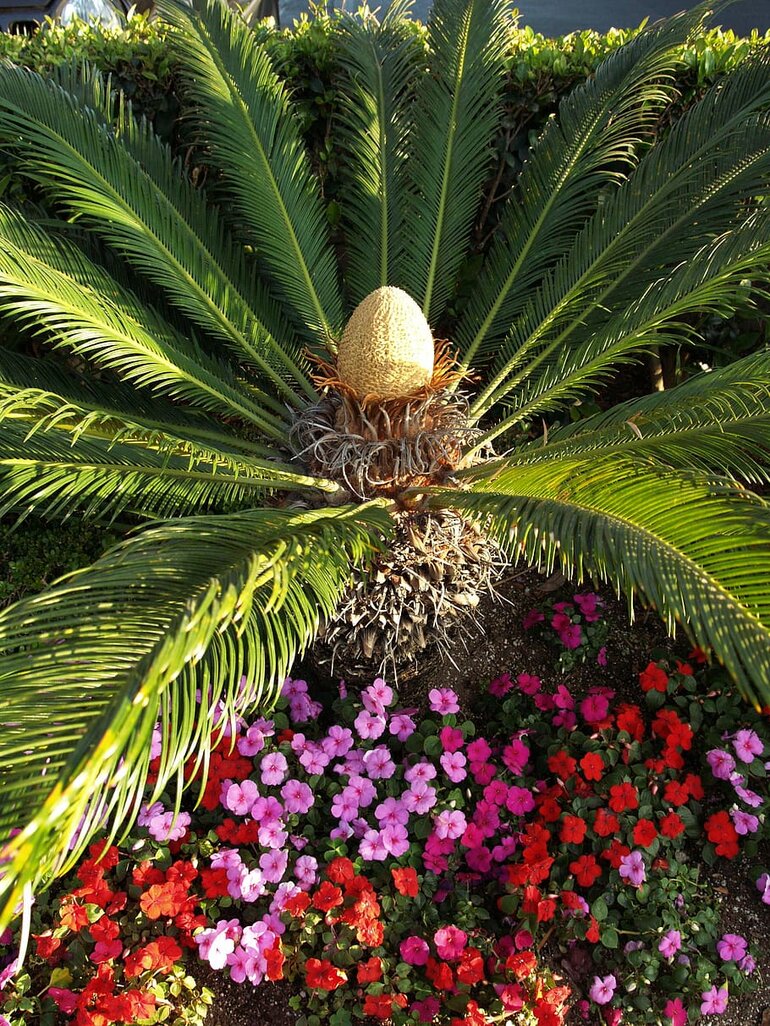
<point x="558" y="17"/>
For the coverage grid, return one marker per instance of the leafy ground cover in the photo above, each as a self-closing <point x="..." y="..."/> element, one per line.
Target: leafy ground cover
<point x="528" y="854"/>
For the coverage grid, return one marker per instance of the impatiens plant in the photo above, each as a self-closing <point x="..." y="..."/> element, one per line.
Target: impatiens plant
<point x="275" y="412"/>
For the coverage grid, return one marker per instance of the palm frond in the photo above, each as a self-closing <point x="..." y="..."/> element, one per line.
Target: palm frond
<point x="691" y="187"/>
<point x="89" y="665"/>
<point x="118" y="405"/>
<point x="380" y="63"/>
<point x="455" y="116"/>
<point x="124" y="184"/>
<point x="589" y="147"/>
<point x="49" y="284"/>
<point x="695" y="547"/>
<point x="254" y="142"/>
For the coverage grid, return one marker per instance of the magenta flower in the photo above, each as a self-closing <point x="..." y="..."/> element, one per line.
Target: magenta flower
<point x="603" y="989"/>
<point x="516" y="756"/>
<point x="534" y="616"/>
<point x="450" y="823"/>
<point x="443" y="701"/>
<point x="714" y="1001"/>
<point x="451" y="739"/>
<point x="528" y="683"/>
<point x="632" y="868"/>
<point x="571" y="637"/>
<point x="450" y="942"/>
<point x="519" y="800"/>
<point x="676" y="1012"/>
<point x="496" y="792"/>
<point x="590" y="605"/>
<point x="479" y="859"/>
<point x="402" y="726"/>
<point x="747" y="744"/>
<point x="670" y="943"/>
<point x="427" y="1009"/>
<point x="501" y="685"/>
<point x="594" y="708"/>
<point x="414" y="951"/>
<point x="478" y="750"/>
<point x="732" y="947"/>
<point x="453" y="764"/>
<point x="721" y="762"/>
<point x="601" y="656"/>
<point x="65" y="1000"/>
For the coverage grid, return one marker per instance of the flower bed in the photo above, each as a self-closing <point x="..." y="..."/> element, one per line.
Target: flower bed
<point x="421" y="868"/>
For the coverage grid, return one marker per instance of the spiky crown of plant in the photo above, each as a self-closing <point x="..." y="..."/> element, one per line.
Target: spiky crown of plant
<point x="197" y="308"/>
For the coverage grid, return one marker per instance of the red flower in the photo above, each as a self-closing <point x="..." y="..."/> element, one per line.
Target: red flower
<point x="405" y="881"/>
<point x="439" y="974"/>
<point x="672" y="730"/>
<point x="473" y="1016"/>
<point x="592" y="933"/>
<point x="381" y="1005"/>
<point x="73" y="916"/>
<point x="629" y="718"/>
<point x="156" y="956"/>
<point x="550" y="810"/>
<point x="146" y="874"/>
<point x="471" y="967"/>
<point x="623" y="796"/>
<point x="694" y="785"/>
<point x="274" y="957"/>
<point x="644" y="833"/>
<point x="573" y="830"/>
<point x="322" y="975"/>
<point x="592" y="766"/>
<point x="298" y="904"/>
<point x="676" y="793"/>
<point x="162" y="900"/>
<point x="369" y="971"/>
<point x="586" y="870"/>
<point x="340" y="870"/>
<point x="327" y="897"/>
<point x="562" y="764"/>
<point x="521" y="964"/>
<point x="48" y="947"/>
<point x="614" y="853"/>
<point x="214" y="883"/>
<point x="653" y="678"/>
<point x="605" y="824"/>
<point x="721" y="832"/>
<point x="671" y="825"/>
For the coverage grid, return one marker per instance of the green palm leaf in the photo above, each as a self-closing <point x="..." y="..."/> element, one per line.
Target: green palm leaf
<point x="688" y="188"/>
<point x="44" y="281"/>
<point x="456" y="114"/>
<point x="695" y="548"/>
<point x="381" y="62"/>
<point x="125" y="186"/>
<point x="254" y="142"/>
<point x="91" y="663"/>
<point x="588" y="147"/>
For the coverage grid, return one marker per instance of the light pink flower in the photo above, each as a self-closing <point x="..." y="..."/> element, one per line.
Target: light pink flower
<point x="714" y="1001"/>
<point x="273" y="865"/>
<point x="372" y="847"/>
<point x="369" y="725"/>
<point x="402" y="726"/>
<point x="443" y="701"/>
<point x="298" y="797"/>
<point x="453" y="764"/>
<point x="602" y="989"/>
<point x="450" y="823"/>
<point x="240" y="797"/>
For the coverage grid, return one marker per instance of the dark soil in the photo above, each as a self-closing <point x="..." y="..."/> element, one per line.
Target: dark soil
<point x="497" y="645"/>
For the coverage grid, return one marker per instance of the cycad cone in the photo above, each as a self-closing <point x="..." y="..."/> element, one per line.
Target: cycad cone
<point x="387" y="346"/>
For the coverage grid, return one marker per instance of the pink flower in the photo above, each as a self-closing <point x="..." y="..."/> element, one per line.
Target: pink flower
<point x="273" y="767"/>
<point x="372" y="847"/>
<point x="298" y="797"/>
<point x="450" y="942"/>
<point x="603" y="989"/>
<point x="450" y="823"/>
<point x="106" y="950"/>
<point x="379" y="764"/>
<point x="293" y="688"/>
<point x="670" y="943"/>
<point x="168" y="827"/>
<point x="414" y="951"/>
<point x="369" y="725"/>
<point x="453" y="764"/>
<point x="632" y="868"/>
<point x="451" y="739"/>
<point x="714" y="1001"/>
<point x="443" y="701"/>
<point x="242" y="963"/>
<point x="421" y="771"/>
<point x="732" y="947"/>
<point x="402" y="726"/>
<point x="676" y="1012"/>
<point x="747" y="744"/>
<point x="744" y="822"/>
<point x="722" y="763"/>
<point x="362" y="790"/>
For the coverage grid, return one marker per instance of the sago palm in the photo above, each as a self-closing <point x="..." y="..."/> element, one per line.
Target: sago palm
<point x="291" y="461"/>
